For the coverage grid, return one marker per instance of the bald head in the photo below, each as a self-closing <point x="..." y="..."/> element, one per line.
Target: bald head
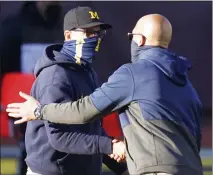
<point x="156" y="29"/>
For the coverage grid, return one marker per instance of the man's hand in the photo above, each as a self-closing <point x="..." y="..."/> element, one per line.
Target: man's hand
<point x="24" y="110"/>
<point x="118" y="150"/>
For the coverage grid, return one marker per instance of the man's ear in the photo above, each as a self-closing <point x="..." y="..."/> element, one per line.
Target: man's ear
<point x="141" y="40"/>
<point x="67" y="35"/>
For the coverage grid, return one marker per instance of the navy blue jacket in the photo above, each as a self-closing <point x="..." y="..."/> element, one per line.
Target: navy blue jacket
<point x="56" y="149"/>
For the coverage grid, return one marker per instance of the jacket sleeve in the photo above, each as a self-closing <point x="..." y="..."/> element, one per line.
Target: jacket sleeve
<point x="69" y="138"/>
<point x="111" y="96"/>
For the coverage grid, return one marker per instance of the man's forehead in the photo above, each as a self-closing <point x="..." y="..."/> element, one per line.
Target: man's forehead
<point x="137" y="27"/>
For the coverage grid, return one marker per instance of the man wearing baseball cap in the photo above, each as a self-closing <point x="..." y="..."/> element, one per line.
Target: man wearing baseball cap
<point x="64" y="74"/>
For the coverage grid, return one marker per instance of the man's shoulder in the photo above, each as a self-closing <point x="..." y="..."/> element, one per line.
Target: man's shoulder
<point x="53" y="76"/>
<point x="125" y="66"/>
<point x="51" y="88"/>
<point x="128" y="67"/>
<point x="57" y="73"/>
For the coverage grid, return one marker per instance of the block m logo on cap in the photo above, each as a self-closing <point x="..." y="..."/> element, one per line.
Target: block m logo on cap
<point x="94" y="15"/>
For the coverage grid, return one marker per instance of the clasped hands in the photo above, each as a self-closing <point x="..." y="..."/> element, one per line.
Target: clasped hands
<point x="118" y="150"/>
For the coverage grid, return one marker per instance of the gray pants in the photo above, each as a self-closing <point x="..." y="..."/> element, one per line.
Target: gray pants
<point x="29" y="172"/>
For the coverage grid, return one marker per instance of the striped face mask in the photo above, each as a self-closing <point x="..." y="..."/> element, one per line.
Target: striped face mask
<point x="83" y="50"/>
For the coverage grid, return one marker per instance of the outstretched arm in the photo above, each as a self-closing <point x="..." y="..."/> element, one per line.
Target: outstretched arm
<point x="111" y="96"/>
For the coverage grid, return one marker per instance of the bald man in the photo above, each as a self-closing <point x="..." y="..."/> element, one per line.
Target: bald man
<point x="158" y="107"/>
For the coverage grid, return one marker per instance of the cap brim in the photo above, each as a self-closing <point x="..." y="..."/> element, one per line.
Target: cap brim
<point x="93" y="24"/>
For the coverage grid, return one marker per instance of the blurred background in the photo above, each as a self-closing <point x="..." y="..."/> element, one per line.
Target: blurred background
<point x="27" y="27"/>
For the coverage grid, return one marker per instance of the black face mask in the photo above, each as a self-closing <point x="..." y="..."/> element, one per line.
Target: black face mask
<point x="52" y="14"/>
<point x="135" y="51"/>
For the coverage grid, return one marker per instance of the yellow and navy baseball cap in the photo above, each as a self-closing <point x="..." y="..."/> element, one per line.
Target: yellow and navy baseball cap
<point x="83" y="17"/>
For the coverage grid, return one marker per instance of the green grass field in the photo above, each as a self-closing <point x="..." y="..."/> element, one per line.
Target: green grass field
<point x="9" y="166"/>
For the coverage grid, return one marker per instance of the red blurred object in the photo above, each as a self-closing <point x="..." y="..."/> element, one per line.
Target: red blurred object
<point x="11" y="84"/>
<point x="111" y="124"/>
